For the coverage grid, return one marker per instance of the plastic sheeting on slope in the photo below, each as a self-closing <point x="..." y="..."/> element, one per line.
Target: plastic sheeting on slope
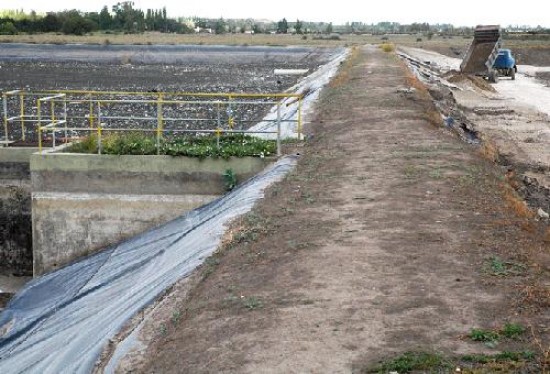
<point x="310" y="87"/>
<point x="60" y="322"/>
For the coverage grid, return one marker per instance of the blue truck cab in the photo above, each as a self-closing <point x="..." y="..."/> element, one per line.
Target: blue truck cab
<point x="505" y="64"/>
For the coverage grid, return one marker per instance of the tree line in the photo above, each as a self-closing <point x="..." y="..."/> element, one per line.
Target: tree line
<point x="122" y="17"/>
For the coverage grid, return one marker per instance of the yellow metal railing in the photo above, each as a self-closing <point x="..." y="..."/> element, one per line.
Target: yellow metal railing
<point x="48" y="110"/>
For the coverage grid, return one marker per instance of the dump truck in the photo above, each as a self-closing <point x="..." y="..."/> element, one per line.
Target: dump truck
<point x="505" y="64"/>
<point x="483" y="52"/>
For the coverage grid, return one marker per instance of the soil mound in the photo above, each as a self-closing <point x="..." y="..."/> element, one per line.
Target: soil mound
<point x="477" y="82"/>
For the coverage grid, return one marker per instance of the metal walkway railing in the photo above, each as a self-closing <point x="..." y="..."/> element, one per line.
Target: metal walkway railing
<point x="63" y="116"/>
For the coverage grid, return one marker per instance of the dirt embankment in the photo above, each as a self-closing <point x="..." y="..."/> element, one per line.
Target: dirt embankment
<point x="392" y="235"/>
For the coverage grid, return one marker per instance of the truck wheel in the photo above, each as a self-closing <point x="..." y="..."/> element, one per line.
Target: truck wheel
<point x="493" y="77"/>
<point x="513" y="74"/>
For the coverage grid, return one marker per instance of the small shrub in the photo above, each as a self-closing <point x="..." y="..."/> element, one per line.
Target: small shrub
<point x="413" y="361"/>
<point x="86" y="145"/>
<point x="512" y="330"/>
<point x="418" y="40"/>
<point x="481" y="335"/>
<point x="8" y="28"/>
<point x="229" y="179"/>
<point x="387" y="47"/>
<point x="252" y="303"/>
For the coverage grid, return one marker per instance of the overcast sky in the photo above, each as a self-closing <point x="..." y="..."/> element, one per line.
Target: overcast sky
<point x="458" y="12"/>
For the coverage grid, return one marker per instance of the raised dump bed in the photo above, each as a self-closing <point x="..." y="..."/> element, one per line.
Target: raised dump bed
<point x="483" y="52"/>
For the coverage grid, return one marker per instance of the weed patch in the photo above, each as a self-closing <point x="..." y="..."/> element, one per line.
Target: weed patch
<point x="387" y="47"/>
<point x="426" y="362"/>
<point x="412" y="361"/>
<point x="201" y="147"/>
<point x="510" y="331"/>
<point x="229" y="180"/>
<point x="497" y="267"/>
<point x="252" y="302"/>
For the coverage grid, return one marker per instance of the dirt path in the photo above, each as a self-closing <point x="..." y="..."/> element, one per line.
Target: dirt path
<point x="384" y="240"/>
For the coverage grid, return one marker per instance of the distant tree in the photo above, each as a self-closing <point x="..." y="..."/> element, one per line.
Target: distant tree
<point x="105" y="19"/>
<point x="219" y="27"/>
<point x="298" y="27"/>
<point x="282" y="26"/>
<point x="256" y="29"/>
<point x="75" y="24"/>
<point x="127" y="18"/>
<point x="201" y="23"/>
<point x="329" y="30"/>
<point x="8" y="28"/>
<point x="51" y="23"/>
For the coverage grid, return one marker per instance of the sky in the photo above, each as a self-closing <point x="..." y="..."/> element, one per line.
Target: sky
<point x="458" y="12"/>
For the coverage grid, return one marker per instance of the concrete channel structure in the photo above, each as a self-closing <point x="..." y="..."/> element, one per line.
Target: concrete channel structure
<point x="83" y="202"/>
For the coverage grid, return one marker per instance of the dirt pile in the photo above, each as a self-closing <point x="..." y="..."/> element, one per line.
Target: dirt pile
<point x="476" y="82"/>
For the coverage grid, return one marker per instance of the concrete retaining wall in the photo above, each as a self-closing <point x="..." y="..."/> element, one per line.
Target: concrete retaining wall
<point x="14" y="163"/>
<point x="82" y="203"/>
<point x="15" y="209"/>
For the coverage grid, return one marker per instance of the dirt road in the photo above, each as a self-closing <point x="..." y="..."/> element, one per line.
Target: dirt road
<point x="387" y="238"/>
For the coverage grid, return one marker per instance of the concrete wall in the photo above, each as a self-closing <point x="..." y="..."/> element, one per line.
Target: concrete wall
<point x="15" y="209"/>
<point x="14" y="163"/>
<point x="82" y="203"/>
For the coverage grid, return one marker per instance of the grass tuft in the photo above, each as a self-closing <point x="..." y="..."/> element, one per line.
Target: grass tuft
<point x="387" y="47"/>
<point x="412" y="361"/>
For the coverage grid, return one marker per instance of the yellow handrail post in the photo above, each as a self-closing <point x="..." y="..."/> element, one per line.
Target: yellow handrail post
<point x="22" y="115"/>
<point x="65" y="117"/>
<point x="230" y="120"/>
<point x="52" y="108"/>
<point x="218" y="134"/>
<point x="279" y="152"/>
<point x="300" y="118"/>
<point x="39" y="117"/>
<point x="99" y="139"/>
<point x="91" y="115"/>
<point x="159" y="122"/>
<point x="5" y="115"/>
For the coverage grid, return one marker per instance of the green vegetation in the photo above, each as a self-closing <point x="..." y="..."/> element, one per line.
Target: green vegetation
<point x="229" y="179"/>
<point x="387" y="47"/>
<point x="122" y="17"/>
<point x="481" y="335"/>
<point x="252" y="303"/>
<point x="425" y="362"/>
<point x="409" y="361"/>
<point x="497" y="267"/>
<point x="510" y="330"/>
<point x="499" y="357"/>
<point x="136" y="143"/>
